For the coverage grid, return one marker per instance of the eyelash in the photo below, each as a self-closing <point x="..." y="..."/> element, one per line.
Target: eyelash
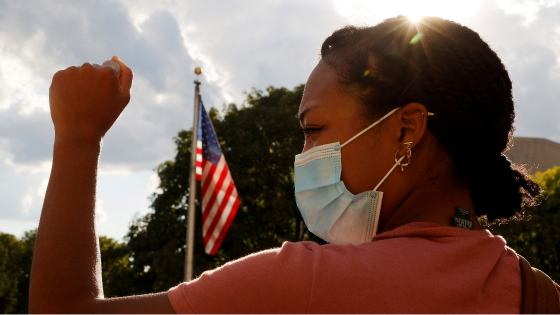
<point x="308" y="131"/>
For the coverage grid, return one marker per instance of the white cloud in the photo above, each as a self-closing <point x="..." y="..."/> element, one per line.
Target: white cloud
<point x="531" y="52"/>
<point x="27" y="202"/>
<point x="123" y="196"/>
<point x="527" y="9"/>
<point x="20" y="87"/>
<point x="17" y="227"/>
<point x="247" y="44"/>
<point x="19" y="197"/>
<point x="100" y="214"/>
<point x="42" y="191"/>
<point x="32" y="168"/>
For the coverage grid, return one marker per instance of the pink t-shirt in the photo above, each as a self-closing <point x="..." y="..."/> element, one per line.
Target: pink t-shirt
<point x="416" y="268"/>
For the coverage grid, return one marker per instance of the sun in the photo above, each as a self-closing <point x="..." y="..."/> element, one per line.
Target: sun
<point x="415" y="17"/>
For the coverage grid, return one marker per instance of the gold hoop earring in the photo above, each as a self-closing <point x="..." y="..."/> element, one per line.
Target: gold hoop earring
<point x="408" y="155"/>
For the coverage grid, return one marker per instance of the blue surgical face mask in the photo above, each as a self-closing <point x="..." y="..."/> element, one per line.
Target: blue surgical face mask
<point x="329" y="210"/>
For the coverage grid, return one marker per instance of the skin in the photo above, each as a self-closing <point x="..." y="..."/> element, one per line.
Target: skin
<point x="66" y="272"/>
<point x="85" y="102"/>
<point x="424" y="192"/>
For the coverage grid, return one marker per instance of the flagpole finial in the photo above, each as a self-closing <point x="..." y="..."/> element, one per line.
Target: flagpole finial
<point x="197" y="71"/>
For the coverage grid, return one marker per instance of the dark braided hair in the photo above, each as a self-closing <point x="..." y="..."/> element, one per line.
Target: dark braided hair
<point x="449" y="69"/>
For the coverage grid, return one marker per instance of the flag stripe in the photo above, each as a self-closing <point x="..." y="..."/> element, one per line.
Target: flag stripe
<point x="214" y="221"/>
<point x="206" y="169"/>
<point x="225" y="228"/>
<point x="214" y="194"/>
<point x="219" y="194"/>
<point x="215" y="233"/>
<point x="199" y="160"/>
<point x="209" y="183"/>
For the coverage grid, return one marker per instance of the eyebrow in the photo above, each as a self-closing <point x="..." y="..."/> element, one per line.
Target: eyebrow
<point x="302" y="114"/>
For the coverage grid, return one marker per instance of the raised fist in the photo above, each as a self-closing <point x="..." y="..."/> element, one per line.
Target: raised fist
<point x="85" y="101"/>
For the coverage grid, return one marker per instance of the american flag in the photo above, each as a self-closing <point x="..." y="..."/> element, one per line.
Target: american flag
<point x="219" y="196"/>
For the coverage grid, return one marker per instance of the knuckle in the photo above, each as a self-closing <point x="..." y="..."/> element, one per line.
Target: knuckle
<point x="108" y="71"/>
<point x="71" y="70"/>
<point x="86" y="67"/>
<point x="61" y="74"/>
<point x="58" y="75"/>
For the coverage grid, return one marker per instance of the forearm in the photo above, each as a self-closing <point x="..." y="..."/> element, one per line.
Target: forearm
<point x="66" y="267"/>
<point x="66" y="274"/>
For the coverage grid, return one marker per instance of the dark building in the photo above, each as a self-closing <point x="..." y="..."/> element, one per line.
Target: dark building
<point x="539" y="154"/>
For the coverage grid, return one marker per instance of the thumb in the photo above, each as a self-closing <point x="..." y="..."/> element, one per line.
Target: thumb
<point x="125" y="76"/>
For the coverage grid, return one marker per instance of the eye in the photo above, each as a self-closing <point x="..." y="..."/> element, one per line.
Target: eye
<point x="310" y="130"/>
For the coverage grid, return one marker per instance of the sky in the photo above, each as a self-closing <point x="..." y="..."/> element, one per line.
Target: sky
<point x="240" y="45"/>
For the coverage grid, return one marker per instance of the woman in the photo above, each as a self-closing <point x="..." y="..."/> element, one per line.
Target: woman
<point x="405" y="124"/>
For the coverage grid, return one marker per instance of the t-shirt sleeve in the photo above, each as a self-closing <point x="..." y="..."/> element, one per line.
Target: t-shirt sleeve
<point x="272" y="281"/>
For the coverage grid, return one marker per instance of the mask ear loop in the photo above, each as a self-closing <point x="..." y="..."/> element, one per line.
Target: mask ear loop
<point x="390" y="171"/>
<point x="370" y="126"/>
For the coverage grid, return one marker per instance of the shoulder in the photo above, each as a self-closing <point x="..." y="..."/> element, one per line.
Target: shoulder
<point x="300" y="254"/>
<point x="287" y="252"/>
<point x="276" y="279"/>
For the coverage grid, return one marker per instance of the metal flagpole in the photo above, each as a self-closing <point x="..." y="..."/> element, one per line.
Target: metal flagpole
<point x="192" y="183"/>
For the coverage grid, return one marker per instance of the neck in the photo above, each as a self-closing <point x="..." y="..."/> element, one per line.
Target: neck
<point x="433" y="204"/>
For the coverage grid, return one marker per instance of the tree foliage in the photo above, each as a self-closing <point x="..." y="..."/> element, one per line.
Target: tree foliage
<point x="537" y="237"/>
<point x="16" y="257"/>
<point x="15" y="269"/>
<point x="116" y="267"/>
<point x="9" y="249"/>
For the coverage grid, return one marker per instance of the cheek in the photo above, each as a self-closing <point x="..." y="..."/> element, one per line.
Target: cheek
<point x="364" y="164"/>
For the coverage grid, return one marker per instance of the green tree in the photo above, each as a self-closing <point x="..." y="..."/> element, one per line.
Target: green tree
<point x="16" y="257"/>
<point x="15" y="269"/>
<point x="259" y="140"/>
<point x="23" y="261"/>
<point x="536" y="237"/>
<point x="9" y="251"/>
<point x="116" y="267"/>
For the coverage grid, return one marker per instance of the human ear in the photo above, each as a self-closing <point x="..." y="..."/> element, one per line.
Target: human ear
<point x="413" y="119"/>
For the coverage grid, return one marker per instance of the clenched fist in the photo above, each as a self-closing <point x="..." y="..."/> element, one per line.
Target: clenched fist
<point x="85" y="101"/>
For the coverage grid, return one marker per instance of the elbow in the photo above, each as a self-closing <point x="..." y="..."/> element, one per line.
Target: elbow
<point x="65" y="307"/>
